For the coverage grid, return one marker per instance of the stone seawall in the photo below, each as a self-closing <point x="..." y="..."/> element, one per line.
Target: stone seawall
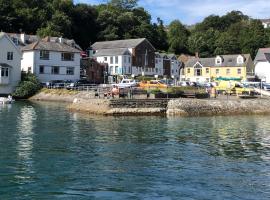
<point x="86" y="102"/>
<point x="196" y="107"/>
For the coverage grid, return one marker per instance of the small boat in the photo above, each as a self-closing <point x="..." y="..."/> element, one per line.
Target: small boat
<point x="6" y="100"/>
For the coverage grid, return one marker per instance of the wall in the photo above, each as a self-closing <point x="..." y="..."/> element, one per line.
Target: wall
<point x="6" y="45"/>
<point x="262" y="70"/>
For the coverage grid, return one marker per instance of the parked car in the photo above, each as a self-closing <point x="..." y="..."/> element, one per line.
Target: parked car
<point x="76" y="84"/>
<point x="57" y="84"/>
<point x="153" y="84"/>
<point x="127" y="83"/>
<point x="266" y="86"/>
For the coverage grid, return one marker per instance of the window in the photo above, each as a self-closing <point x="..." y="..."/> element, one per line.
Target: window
<point x="9" y="55"/>
<point x="129" y="70"/>
<point x="4" y="72"/>
<point x="55" y="70"/>
<point x="228" y="71"/>
<point x="207" y="70"/>
<point x="111" y="69"/>
<point x="116" y="69"/>
<point x="172" y="71"/>
<point x="217" y="71"/>
<point x="156" y="70"/>
<point x="105" y="58"/>
<point x="67" y="56"/>
<point x="188" y="70"/>
<point x="111" y="60"/>
<point x="116" y="59"/>
<point x="41" y="69"/>
<point x="156" y="61"/>
<point x="198" y="72"/>
<point x="44" y="55"/>
<point x="70" y="70"/>
<point x="239" y="71"/>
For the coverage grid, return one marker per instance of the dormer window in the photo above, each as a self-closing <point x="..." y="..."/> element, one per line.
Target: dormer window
<point x="240" y="60"/>
<point x="218" y="60"/>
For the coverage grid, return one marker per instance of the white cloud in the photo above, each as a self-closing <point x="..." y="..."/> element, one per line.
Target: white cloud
<point x="192" y="11"/>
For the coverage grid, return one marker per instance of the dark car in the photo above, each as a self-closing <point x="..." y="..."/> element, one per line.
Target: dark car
<point x="76" y="84"/>
<point x="55" y="84"/>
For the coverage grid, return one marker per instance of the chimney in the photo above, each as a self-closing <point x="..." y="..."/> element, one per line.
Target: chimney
<point x="197" y="55"/>
<point x="22" y="36"/>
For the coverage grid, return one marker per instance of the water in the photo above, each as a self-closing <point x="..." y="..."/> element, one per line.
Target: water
<point x="49" y="153"/>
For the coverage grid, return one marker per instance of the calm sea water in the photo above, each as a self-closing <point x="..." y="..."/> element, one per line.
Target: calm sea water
<point x="49" y="153"/>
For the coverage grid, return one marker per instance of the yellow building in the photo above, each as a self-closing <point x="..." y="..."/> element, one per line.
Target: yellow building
<point x="223" y="66"/>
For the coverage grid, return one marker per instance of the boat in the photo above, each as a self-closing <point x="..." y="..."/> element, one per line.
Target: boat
<point x="6" y="100"/>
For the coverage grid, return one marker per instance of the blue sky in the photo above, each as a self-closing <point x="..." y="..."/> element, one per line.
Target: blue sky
<point x="193" y="11"/>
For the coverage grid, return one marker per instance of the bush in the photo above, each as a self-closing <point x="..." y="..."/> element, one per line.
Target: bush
<point x="27" y="87"/>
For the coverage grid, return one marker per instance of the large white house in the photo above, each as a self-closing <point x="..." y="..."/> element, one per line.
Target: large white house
<point x="262" y="64"/>
<point x="10" y="65"/>
<point x="51" y="60"/>
<point x="118" y="60"/>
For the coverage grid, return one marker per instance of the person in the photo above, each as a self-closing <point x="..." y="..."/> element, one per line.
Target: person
<point x="115" y="91"/>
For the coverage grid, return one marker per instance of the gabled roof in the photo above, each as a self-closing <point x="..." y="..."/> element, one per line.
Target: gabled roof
<point x="130" y="43"/>
<point x="3" y="34"/>
<point x="228" y="61"/>
<point x="50" y="46"/>
<point x="261" y="54"/>
<point x="112" y="52"/>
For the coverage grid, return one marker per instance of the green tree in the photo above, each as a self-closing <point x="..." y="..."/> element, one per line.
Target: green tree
<point x="125" y="4"/>
<point x="177" y="37"/>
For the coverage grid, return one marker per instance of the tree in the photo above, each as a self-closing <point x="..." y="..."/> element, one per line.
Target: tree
<point x="177" y="37"/>
<point x="125" y="4"/>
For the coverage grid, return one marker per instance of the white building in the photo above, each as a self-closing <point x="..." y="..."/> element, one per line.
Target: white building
<point x="159" y="65"/>
<point x="262" y="64"/>
<point x="10" y="65"/>
<point x="175" y="66"/>
<point x="51" y="60"/>
<point x="118" y="60"/>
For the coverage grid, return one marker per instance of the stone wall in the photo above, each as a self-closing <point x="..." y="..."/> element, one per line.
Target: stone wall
<point x="198" y="107"/>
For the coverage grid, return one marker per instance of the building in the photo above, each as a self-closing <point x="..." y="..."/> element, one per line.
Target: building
<point x="119" y="60"/>
<point x="265" y="23"/>
<point x="222" y="66"/>
<point x="93" y="71"/>
<point x="262" y="64"/>
<point x="139" y="54"/>
<point x="51" y="59"/>
<point x="10" y="65"/>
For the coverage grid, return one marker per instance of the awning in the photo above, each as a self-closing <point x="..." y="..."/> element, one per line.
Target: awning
<point x="5" y="65"/>
<point x="228" y="79"/>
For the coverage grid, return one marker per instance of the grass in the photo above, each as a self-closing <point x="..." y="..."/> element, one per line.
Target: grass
<point x="59" y="91"/>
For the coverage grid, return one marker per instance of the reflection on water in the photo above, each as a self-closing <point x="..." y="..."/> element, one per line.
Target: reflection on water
<point x="25" y="126"/>
<point x="62" y="155"/>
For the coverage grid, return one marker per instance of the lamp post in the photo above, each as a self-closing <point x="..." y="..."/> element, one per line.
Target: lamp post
<point x="173" y="79"/>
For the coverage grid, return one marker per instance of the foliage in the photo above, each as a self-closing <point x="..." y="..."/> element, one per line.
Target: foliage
<point x="27" y="87"/>
<point x="232" y="33"/>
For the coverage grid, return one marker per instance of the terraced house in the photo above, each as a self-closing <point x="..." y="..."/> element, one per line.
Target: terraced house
<point x="220" y="67"/>
<point x="51" y="59"/>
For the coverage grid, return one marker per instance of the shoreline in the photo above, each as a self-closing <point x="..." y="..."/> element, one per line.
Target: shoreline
<point x="85" y="102"/>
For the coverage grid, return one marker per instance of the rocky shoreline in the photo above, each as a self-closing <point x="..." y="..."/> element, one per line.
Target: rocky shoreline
<point x="85" y="102"/>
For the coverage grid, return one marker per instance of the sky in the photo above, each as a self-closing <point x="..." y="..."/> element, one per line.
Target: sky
<point x="193" y="11"/>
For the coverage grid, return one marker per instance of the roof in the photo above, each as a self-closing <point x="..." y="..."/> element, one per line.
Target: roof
<point x="261" y="54"/>
<point x="130" y="43"/>
<point x="228" y="61"/>
<point x="4" y="64"/>
<point x="111" y="52"/>
<point x="50" y="46"/>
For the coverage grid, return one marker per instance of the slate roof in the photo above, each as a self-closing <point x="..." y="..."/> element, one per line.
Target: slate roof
<point x="261" y="55"/>
<point x="50" y="46"/>
<point x="111" y="52"/>
<point x="228" y="61"/>
<point x="130" y="43"/>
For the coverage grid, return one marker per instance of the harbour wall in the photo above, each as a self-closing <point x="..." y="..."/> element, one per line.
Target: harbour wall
<point x="86" y="102"/>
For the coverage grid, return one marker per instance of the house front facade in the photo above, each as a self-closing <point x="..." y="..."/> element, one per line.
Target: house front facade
<point x="262" y="64"/>
<point x="139" y="55"/>
<point x="51" y="60"/>
<point x="219" y="67"/>
<point x="10" y="65"/>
